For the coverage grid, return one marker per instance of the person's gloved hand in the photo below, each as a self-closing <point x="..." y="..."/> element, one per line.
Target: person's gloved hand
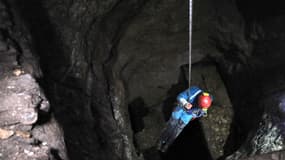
<point x="205" y="113"/>
<point x="188" y="106"/>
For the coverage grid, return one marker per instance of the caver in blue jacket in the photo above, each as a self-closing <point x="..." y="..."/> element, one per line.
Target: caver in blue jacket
<point x="188" y="96"/>
<point x="181" y="116"/>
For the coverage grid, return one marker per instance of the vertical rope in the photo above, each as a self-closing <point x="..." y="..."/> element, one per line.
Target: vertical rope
<point x="190" y="39"/>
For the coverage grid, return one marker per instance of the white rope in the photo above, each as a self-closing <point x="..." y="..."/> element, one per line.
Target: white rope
<point x="190" y="39"/>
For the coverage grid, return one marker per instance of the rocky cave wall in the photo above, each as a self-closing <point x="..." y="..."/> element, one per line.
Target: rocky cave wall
<point x="75" y="78"/>
<point x="27" y="130"/>
<point x="110" y="69"/>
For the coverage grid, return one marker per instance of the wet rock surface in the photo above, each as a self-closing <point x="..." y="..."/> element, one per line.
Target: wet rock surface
<point x="20" y="99"/>
<point x="24" y="108"/>
<point x="268" y="135"/>
<point x="272" y="156"/>
<point x="217" y="125"/>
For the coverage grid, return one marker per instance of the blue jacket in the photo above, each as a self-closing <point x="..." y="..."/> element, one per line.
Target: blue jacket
<point x="186" y="115"/>
<point x="189" y="95"/>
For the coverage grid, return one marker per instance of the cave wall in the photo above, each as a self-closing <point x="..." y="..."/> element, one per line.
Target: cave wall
<point x="74" y="40"/>
<point x="159" y="44"/>
<point x="27" y="129"/>
<point x="152" y="49"/>
<point x="263" y="79"/>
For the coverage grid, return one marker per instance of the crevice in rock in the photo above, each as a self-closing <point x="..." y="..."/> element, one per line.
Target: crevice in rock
<point x="137" y="111"/>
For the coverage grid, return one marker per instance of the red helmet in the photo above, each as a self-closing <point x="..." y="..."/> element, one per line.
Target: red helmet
<point x="204" y="100"/>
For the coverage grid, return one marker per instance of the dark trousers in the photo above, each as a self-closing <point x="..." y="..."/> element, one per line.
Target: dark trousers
<point x="170" y="133"/>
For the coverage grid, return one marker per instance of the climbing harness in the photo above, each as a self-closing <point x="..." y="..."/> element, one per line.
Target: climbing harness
<point x="190" y="39"/>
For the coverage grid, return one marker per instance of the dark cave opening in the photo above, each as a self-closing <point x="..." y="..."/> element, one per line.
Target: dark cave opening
<point x="137" y="111"/>
<point x="260" y="9"/>
<point x="190" y="143"/>
<point x="47" y="43"/>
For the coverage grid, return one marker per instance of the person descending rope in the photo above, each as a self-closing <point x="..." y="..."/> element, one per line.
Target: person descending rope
<point x="192" y="103"/>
